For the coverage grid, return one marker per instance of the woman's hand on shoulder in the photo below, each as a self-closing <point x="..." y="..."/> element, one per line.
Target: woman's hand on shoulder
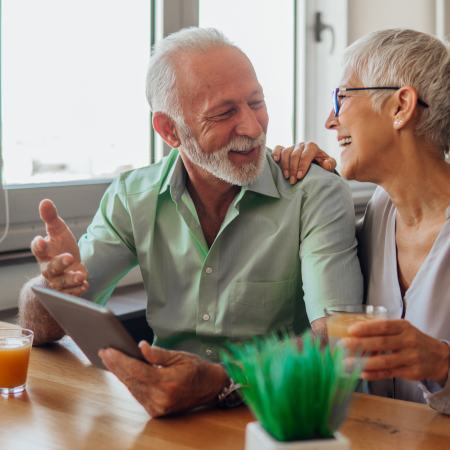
<point x="398" y="349"/>
<point x="296" y="160"/>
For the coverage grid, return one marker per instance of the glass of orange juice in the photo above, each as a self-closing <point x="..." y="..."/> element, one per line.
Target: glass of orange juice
<point x="339" y="318"/>
<point x="15" y="347"/>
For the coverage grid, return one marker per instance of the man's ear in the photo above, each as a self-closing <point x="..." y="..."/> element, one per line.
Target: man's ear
<point x="405" y="106"/>
<point x="165" y="127"/>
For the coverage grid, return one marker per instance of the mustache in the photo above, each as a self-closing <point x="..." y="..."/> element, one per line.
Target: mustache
<point x="243" y="143"/>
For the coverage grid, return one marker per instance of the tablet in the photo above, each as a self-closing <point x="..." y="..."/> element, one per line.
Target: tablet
<point x="91" y="326"/>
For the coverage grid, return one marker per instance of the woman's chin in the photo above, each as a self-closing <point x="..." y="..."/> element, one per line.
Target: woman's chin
<point x="349" y="166"/>
<point x="347" y="170"/>
<point x="350" y="172"/>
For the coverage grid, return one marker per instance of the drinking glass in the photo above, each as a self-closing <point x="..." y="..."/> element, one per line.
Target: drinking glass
<point x="339" y="318"/>
<point x="15" y="347"/>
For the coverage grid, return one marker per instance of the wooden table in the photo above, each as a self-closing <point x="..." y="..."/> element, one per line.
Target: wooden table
<point x="72" y="405"/>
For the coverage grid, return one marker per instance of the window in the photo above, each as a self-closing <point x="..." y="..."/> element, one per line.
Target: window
<point x="73" y="106"/>
<point x="73" y="77"/>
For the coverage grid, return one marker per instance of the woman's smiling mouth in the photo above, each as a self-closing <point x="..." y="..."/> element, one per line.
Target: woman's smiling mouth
<point x="344" y="141"/>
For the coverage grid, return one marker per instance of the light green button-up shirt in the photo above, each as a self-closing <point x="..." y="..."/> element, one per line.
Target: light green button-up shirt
<point x="282" y="254"/>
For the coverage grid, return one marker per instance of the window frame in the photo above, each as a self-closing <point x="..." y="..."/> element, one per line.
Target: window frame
<point x="77" y="201"/>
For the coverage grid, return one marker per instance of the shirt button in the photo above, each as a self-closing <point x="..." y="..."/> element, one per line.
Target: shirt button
<point x="208" y="352"/>
<point x="209" y="270"/>
<point x="205" y="317"/>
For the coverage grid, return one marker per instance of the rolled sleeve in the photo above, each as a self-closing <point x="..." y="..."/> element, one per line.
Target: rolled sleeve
<point x="328" y="250"/>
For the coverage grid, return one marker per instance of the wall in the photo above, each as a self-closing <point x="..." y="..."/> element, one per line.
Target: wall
<point x="369" y="15"/>
<point x="443" y="18"/>
<point x="363" y="16"/>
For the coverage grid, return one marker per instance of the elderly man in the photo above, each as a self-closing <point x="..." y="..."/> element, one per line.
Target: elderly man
<point x="228" y="249"/>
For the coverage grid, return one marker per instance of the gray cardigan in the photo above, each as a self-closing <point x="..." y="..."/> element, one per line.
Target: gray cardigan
<point x="426" y="304"/>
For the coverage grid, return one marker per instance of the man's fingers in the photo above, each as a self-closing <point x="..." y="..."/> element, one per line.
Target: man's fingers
<point x="141" y="379"/>
<point x="156" y="355"/>
<point x="39" y="248"/>
<point x="68" y="280"/>
<point x="65" y="274"/>
<point x="116" y="362"/>
<point x="129" y="370"/>
<point x="47" y="210"/>
<point x="57" y="265"/>
<point x="49" y="215"/>
<point x="146" y="350"/>
<point x="77" y="291"/>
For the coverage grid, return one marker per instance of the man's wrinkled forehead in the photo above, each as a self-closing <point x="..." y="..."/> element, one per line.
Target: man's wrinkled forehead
<point x="215" y="70"/>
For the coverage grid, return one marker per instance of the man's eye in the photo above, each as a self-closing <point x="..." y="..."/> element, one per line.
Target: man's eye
<point x="257" y="104"/>
<point x="224" y="114"/>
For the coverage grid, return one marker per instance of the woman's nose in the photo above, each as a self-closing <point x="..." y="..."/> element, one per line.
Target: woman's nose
<point x="331" y="121"/>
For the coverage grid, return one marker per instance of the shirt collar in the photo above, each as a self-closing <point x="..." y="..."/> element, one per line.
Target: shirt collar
<point x="265" y="183"/>
<point x="176" y="180"/>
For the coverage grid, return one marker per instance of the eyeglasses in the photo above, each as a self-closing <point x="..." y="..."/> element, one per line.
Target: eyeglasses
<point x="337" y="99"/>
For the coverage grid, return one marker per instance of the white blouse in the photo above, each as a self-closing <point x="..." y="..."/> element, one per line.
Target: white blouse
<point x="426" y="303"/>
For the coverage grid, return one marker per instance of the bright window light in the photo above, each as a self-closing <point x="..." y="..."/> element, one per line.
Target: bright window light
<point x="73" y="89"/>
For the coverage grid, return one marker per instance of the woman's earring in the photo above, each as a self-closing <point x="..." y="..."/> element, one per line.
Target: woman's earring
<point x="398" y="123"/>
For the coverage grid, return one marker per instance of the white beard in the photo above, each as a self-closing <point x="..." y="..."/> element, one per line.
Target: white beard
<point x="218" y="164"/>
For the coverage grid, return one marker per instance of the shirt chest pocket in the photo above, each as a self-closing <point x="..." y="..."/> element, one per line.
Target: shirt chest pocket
<point x="257" y="308"/>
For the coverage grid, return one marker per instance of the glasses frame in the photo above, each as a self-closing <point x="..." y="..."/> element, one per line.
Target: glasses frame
<point x="335" y="95"/>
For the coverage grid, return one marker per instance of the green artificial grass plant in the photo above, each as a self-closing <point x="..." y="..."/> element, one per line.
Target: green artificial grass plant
<point x="294" y="394"/>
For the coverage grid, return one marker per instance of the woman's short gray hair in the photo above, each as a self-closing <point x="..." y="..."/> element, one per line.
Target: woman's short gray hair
<point x="161" y="75"/>
<point x="401" y="57"/>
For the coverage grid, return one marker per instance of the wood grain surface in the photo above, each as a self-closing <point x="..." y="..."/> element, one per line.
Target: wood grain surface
<point x="72" y="405"/>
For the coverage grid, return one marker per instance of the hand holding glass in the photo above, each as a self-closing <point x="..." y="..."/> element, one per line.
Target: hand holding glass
<point x="340" y="318"/>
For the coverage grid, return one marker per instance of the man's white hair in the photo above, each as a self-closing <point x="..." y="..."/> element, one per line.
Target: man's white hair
<point x="161" y="87"/>
<point x="401" y="57"/>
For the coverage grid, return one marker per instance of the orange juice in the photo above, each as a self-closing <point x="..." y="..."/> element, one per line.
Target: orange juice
<point x="341" y="317"/>
<point x="15" y="347"/>
<point x="14" y="364"/>
<point x="338" y="324"/>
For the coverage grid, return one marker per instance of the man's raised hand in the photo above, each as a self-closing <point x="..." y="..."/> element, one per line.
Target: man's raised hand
<point x="58" y="254"/>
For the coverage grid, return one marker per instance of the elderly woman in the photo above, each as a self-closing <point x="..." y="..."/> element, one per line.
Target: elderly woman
<point x="391" y="115"/>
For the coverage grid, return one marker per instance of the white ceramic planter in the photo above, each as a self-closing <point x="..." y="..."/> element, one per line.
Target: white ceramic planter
<point x="256" y="438"/>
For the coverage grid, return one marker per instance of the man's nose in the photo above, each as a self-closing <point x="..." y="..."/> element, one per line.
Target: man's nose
<point x="248" y="124"/>
<point x="332" y="121"/>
